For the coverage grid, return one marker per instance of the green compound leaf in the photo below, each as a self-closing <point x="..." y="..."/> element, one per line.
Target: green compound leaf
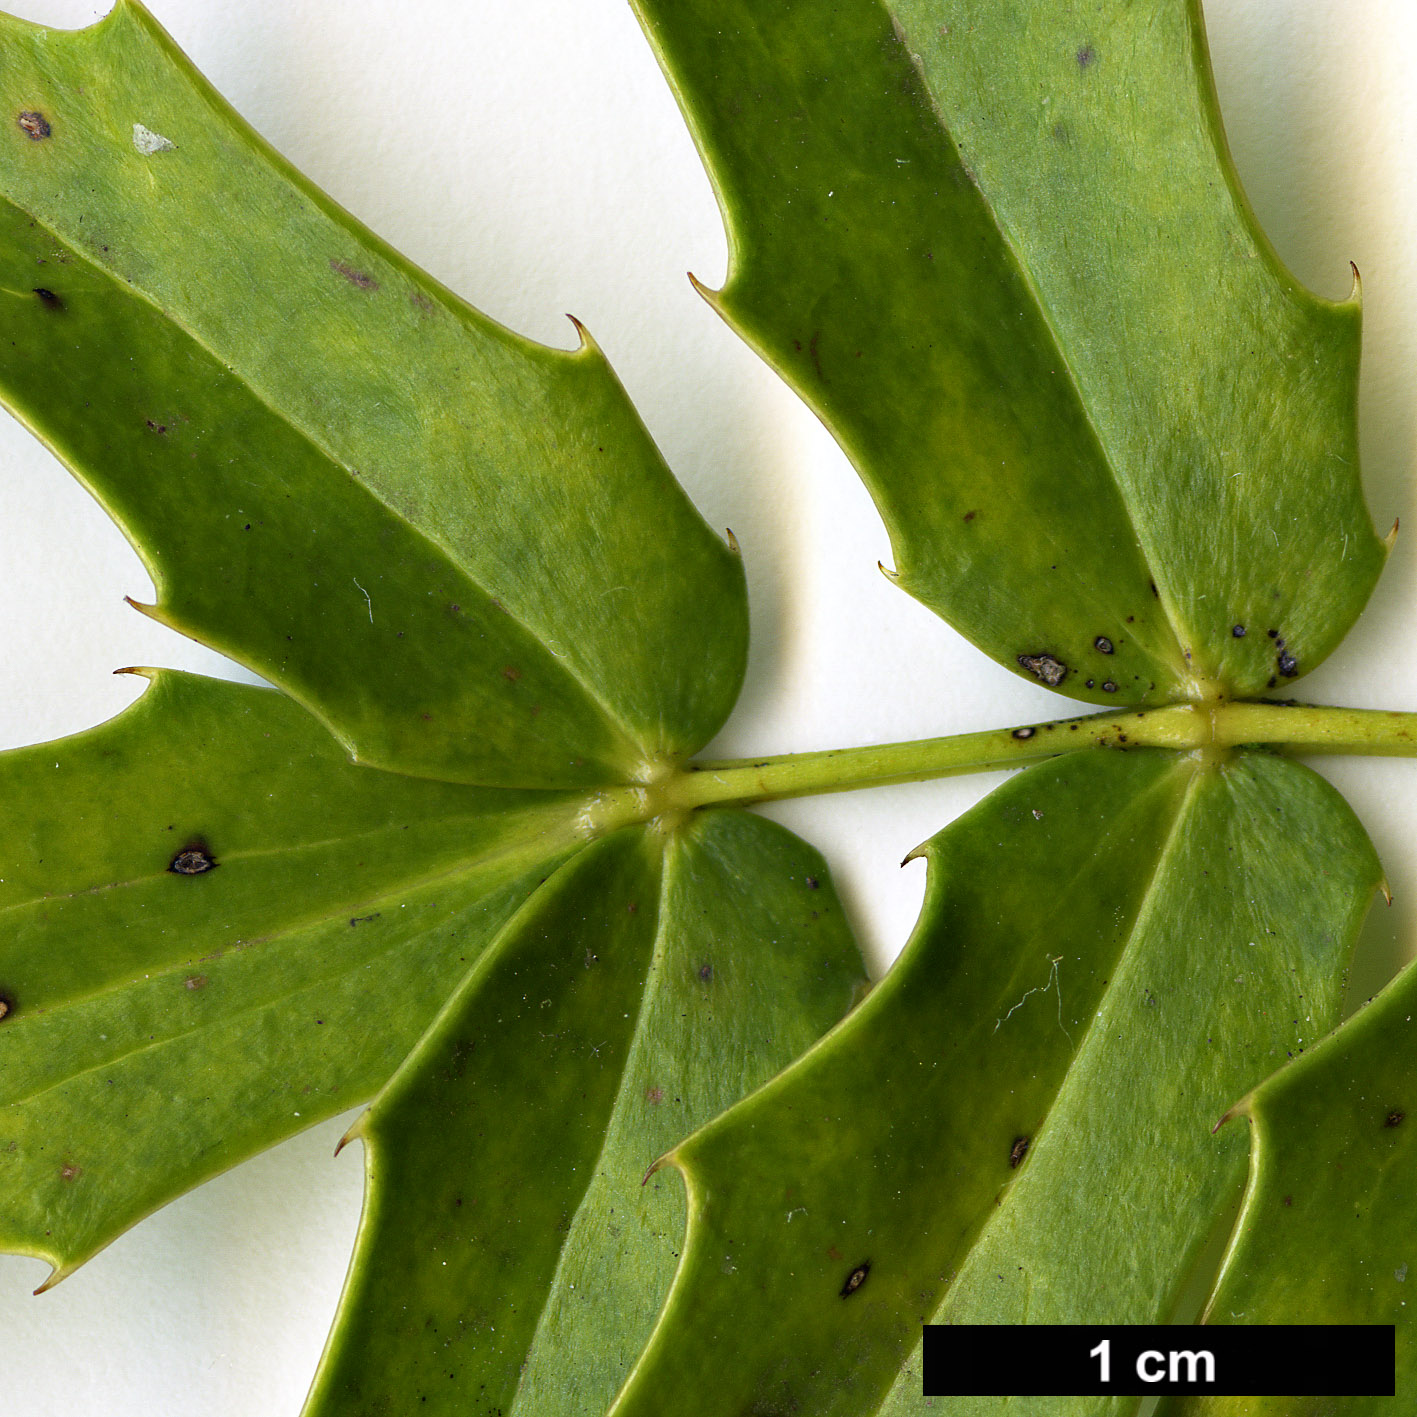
<point x="1328" y="1233"/>
<point x="1000" y="248"/>
<point x="215" y="931"/>
<point x="512" y="1256"/>
<point x="457" y="547"/>
<point x="996" y="1135"/>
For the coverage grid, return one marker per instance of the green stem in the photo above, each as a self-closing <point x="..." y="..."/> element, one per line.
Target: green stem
<point x="1212" y="728"/>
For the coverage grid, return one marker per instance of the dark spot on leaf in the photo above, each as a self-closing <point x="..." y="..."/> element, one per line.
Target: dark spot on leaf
<point x="1271" y="682"/>
<point x="706" y="972"/>
<point x="196" y="981"/>
<point x="192" y="860"/>
<point x="813" y="883"/>
<point x="855" y="1279"/>
<point x="1060" y="132"/>
<point x="1273" y="634"/>
<point x="157" y="427"/>
<point x="7" y="1006"/>
<point x="1288" y="1200"/>
<point x="1086" y="55"/>
<point x="654" y="1095"/>
<point x="833" y="1253"/>
<point x="1154" y="590"/>
<point x="970" y="516"/>
<point x="363" y="919"/>
<point x="1238" y="631"/>
<point x="816" y="359"/>
<point x="633" y="908"/>
<point x="1108" y="687"/>
<point x="1395" y="1119"/>
<point x="69" y="1172"/>
<point x="511" y="673"/>
<point x="1102" y="643"/>
<point x="1090" y="683"/>
<point x="354" y="277"/>
<point x="34" y="125"/>
<point x="1288" y="665"/>
<point x="1018" y="1151"/>
<point x="1022" y="733"/>
<point x="48" y="299"/>
<point x="1043" y="666"/>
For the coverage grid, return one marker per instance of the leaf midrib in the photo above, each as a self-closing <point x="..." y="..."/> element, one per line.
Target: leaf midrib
<point x="532" y="851"/>
<point x="553" y="1288"/>
<point x="1186" y="670"/>
<point x="556" y="658"/>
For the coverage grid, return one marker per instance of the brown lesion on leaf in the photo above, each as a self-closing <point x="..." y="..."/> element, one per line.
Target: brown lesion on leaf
<point x="195" y="982"/>
<point x="195" y="859"/>
<point x="70" y="1172"/>
<point x="7" y="1005"/>
<point x="1394" y="1118"/>
<point x="354" y="276"/>
<point x="33" y="124"/>
<point x="654" y="1095"/>
<point x="1018" y="1151"/>
<point x="1044" y="667"/>
<point x="856" y="1279"/>
<point x="48" y="299"/>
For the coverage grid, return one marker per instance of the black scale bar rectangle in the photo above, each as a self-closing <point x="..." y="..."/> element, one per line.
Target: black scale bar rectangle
<point x="1137" y="1360"/>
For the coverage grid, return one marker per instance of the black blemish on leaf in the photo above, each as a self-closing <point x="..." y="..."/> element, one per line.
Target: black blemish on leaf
<point x="48" y="299"/>
<point x="1273" y="634"/>
<point x="1394" y="1119"/>
<point x="1271" y="682"/>
<point x="35" y="126"/>
<point x="706" y="972"/>
<point x="363" y="919"/>
<point x="1086" y="56"/>
<point x="157" y="427"/>
<point x="1238" y="631"/>
<point x="354" y="277"/>
<point x="970" y="516"/>
<point x="1108" y="687"/>
<point x="193" y="860"/>
<point x="1018" y="1151"/>
<point x="1288" y="665"/>
<point x="1288" y="1200"/>
<point x="1103" y="644"/>
<point x="69" y="1172"/>
<point x="813" y="883"/>
<point x="1022" y="733"/>
<point x="1043" y="666"/>
<point x="855" y="1279"/>
<point x="1090" y="684"/>
<point x="7" y="1006"/>
<point x="1154" y="590"/>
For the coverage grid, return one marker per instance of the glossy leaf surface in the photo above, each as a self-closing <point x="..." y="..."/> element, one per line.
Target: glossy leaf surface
<point x="1328" y="1233"/>
<point x="512" y="1255"/>
<point x="997" y="1135"/>
<point x="1000" y="248"/>
<point x="411" y="519"/>
<point x="214" y="931"/>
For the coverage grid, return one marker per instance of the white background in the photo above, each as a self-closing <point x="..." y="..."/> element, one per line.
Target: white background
<point x="529" y="155"/>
